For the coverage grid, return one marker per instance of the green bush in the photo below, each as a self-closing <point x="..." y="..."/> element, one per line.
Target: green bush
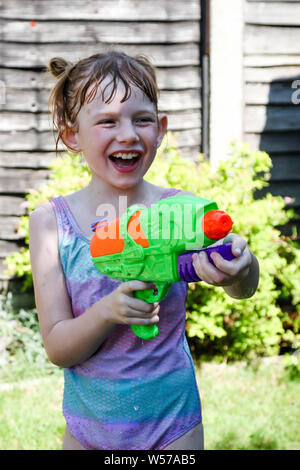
<point x="20" y="336"/>
<point x="216" y="324"/>
<point x="292" y="363"/>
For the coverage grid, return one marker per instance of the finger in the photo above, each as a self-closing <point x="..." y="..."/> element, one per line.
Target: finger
<point x="141" y="305"/>
<point x="206" y="271"/>
<point x="133" y="315"/>
<point x="143" y="321"/>
<point x="234" y="266"/>
<point x="238" y="247"/>
<point x="131" y="286"/>
<point x="238" y="244"/>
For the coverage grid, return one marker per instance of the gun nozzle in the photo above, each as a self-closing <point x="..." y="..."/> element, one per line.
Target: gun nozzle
<point x="216" y="224"/>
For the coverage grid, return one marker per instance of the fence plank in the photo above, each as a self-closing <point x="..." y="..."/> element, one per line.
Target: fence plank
<point x="272" y="118"/>
<point x="271" y="74"/>
<point x="37" y="100"/>
<point x="273" y="93"/>
<point x="44" y="141"/>
<point x="9" y="228"/>
<point x="100" y="32"/>
<point x="24" y="121"/>
<point x="274" y="142"/>
<point x="286" y="168"/>
<point x="38" y="55"/>
<point x="271" y="60"/>
<point x="188" y="138"/>
<point x="174" y="101"/>
<point x="34" y="160"/>
<point x="12" y="205"/>
<point x="271" y="40"/>
<point x="7" y="248"/>
<point x="108" y="10"/>
<point x="21" y="180"/>
<point x="280" y="13"/>
<point x="273" y="1"/>
<point x="178" y="78"/>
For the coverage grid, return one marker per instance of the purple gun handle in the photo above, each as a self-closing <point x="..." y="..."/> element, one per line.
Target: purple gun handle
<point x="185" y="267"/>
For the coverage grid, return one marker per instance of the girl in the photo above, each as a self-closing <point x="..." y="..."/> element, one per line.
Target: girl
<point x="120" y="392"/>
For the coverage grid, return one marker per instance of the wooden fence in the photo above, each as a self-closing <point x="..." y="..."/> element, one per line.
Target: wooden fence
<point x="272" y="78"/>
<point x="167" y="31"/>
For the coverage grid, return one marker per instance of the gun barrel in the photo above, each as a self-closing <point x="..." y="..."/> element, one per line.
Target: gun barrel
<point x="216" y="224"/>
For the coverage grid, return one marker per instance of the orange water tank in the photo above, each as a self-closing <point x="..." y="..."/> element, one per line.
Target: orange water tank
<point x="107" y="239"/>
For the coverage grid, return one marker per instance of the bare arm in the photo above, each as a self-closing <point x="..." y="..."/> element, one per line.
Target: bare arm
<point x="245" y="287"/>
<point x="69" y="341"/>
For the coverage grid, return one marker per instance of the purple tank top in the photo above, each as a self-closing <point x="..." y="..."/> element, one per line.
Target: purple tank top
<point x="132" y="393"/>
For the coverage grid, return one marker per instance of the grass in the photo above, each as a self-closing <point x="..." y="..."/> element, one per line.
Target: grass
<point x="31" y="417"/>
<point x="249" y="407"/>
<point x="254" y="407"/>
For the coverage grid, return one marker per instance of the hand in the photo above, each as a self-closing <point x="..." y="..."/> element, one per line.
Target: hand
<point x="224" y="273"/>
<point x="124" y="308"/>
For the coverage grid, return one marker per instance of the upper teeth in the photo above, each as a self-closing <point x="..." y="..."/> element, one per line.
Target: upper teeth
<point x="126" y="156"/>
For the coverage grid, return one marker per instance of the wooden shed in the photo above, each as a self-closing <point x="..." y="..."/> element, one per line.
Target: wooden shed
<point x="255" y="86"/>
<point x="208" y="54"/>
<point x="272" y="91"/>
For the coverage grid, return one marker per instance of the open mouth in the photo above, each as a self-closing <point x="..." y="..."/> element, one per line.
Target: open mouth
<point x="126" y="161"/>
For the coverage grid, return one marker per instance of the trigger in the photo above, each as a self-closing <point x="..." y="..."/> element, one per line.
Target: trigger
<point x="155" y="290"/>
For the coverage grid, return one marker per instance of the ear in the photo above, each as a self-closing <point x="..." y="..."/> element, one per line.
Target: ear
<point x="162" y="128"/>
<point x="69" y="138"/>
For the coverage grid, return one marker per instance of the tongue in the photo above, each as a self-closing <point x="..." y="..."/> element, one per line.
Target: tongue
<point x="122" y="162"/>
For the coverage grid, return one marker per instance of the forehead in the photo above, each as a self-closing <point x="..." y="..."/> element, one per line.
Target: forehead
<point x="109" y="95"/>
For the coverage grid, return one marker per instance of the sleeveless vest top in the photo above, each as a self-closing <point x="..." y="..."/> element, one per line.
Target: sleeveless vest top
<point x="132" y="394"/>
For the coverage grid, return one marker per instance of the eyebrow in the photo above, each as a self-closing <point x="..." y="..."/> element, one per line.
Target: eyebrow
<point x="100" y="114"/>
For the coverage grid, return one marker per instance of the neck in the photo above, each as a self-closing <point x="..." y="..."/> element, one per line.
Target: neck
<point x="119" y="198"/>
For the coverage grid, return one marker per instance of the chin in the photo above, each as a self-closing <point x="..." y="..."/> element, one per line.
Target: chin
<point x="126" y="185"/>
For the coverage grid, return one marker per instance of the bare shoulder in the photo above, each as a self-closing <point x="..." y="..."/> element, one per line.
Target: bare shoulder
<point x="43" y="230"/>
<point x="42" y="221"/>
<point x="43" y="215"/>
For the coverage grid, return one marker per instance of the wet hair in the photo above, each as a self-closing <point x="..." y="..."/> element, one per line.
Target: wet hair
<point x="74" y="82"/>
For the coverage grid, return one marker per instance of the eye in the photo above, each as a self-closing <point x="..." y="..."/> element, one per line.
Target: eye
<point x="105" y="122"/>
<point x="144" y="120"/>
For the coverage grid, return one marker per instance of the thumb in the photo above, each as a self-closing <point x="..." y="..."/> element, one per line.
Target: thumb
<point x="238" y="244"/>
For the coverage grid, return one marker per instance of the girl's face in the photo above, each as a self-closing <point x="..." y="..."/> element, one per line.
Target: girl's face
<point x="119" y="140"/>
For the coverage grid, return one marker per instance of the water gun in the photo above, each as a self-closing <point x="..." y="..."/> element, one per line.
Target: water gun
<point x="156" y="244"/>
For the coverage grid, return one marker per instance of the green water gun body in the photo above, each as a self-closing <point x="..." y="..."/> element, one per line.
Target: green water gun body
<point x="156" y="244"/>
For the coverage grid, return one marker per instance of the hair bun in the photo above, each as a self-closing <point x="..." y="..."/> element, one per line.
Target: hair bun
<point x="58" y="65"/>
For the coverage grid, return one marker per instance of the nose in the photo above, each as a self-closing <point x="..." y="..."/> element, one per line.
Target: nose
<point x="127" y="133"/>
